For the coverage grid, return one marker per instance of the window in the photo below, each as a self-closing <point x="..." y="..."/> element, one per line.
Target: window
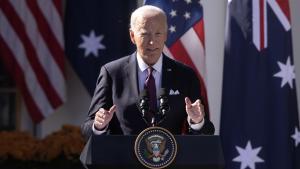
<point x="8" y="96"/>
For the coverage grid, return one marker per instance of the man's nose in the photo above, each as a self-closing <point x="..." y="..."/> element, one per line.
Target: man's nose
<point x="151" y="42"/>
<point x="151" y="39"/>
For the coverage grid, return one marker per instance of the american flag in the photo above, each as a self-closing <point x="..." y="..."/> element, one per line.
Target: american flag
<point x="259" y="116"/>
<point x="186" y="41"/>
<point x="32" y="49"/>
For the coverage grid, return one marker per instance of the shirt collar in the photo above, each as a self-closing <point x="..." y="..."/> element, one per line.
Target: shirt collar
<point x="143" y="66"/>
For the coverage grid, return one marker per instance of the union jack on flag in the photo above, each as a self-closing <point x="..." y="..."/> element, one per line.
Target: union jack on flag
<point x="281" y="10"/>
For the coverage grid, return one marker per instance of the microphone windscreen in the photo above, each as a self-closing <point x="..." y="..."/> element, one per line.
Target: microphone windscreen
<point x="162" y="92"/>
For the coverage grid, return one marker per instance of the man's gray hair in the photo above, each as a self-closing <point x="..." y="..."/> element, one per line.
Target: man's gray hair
<point x="144" y="11"/>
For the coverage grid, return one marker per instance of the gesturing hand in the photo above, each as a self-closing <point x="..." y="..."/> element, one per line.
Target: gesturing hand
<point x="103" y="117"/>
<point x="194" y="110"/>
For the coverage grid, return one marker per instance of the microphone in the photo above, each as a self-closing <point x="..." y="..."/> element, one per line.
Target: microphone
<point x="152" y="118"/>
<point x="163" y="102"/>
<point x="143" y="104"/>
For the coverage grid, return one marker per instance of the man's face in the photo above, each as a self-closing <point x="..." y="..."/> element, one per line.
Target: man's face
<point x="149" y="36"/>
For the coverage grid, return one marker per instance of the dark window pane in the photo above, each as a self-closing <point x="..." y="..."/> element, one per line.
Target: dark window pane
<point x="7" y="100"/>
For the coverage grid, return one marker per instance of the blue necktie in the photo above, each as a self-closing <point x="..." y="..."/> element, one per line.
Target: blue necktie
<point x="150" y="87"/>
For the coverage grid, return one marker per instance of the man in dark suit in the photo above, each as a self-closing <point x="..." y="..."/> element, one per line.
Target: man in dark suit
<point x="114" y="107"/>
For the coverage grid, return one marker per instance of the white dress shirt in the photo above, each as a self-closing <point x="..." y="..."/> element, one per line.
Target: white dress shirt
<point x="143" y="73"/>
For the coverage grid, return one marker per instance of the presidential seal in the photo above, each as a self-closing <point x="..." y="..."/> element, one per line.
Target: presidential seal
<point x="155" y="147"/>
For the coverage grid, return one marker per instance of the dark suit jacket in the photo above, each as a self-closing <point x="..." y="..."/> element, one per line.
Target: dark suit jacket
<point x="118" y="84"/>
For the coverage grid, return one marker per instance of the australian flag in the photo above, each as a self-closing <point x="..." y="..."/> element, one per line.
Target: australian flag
<point x="259" y="116"/>
<point x="96" y="32"/>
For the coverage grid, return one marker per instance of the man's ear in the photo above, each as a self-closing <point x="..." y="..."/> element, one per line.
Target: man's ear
<point x="131" y="33"/>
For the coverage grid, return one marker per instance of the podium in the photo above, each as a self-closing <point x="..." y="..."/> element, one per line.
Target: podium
<point x="117" y="151"/>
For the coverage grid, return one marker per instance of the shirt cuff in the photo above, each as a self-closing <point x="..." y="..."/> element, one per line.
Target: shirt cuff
<point x="99" y="132"/>
<point x="195" y="126"/>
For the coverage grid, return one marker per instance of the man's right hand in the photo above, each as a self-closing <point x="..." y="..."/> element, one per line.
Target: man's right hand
<point x="103" y="117"/>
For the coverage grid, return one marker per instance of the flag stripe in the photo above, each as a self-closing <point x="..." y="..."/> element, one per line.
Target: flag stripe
<point x="284" y="5"/>
<point x="15" y="46"/>
<point x="179" y="53"/>
<point x="58" y="5"/>
<point x="50" y="14"/>
<point x="42" y="50"/>
<point x="44" y="28"/>
<point x="31" y="54"/>
<point x="199" y="29"/>
<point x="262" y="23"/>
<point x="265" y="27"/>
<point x="167" y="52"/>
<point x="195" y="50"/>
<point x="18" y="75"/>
<point x="256" y="24"/>
<point x="281" y="15"/>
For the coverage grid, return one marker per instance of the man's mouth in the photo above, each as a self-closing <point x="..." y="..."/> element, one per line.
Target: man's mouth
<point x="152" y="50"/>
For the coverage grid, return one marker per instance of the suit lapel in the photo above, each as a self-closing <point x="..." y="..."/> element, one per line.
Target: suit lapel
<point x="131" y="74"/>
<point x="167" y="73"/>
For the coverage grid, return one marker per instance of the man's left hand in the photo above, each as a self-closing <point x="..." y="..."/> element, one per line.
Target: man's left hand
<point x="194" y="110"/>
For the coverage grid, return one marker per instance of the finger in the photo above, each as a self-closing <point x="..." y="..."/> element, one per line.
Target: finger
<point x="202" y="109"/>
<point x="197" y="103"/>
<point x="112" y="109"/>
<point x="100" y="120"/>
<point x="188" y="102"/>
<point x="101" y="110"/>
<point x="97" y="118"/>
<point x="100" y="115"/>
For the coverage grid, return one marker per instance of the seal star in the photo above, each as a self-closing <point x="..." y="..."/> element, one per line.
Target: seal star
<point x="248" y="156"/>
<point x="91" y="44"/>
<point x="296" y="136"/>
<point x="286" y="73"/>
